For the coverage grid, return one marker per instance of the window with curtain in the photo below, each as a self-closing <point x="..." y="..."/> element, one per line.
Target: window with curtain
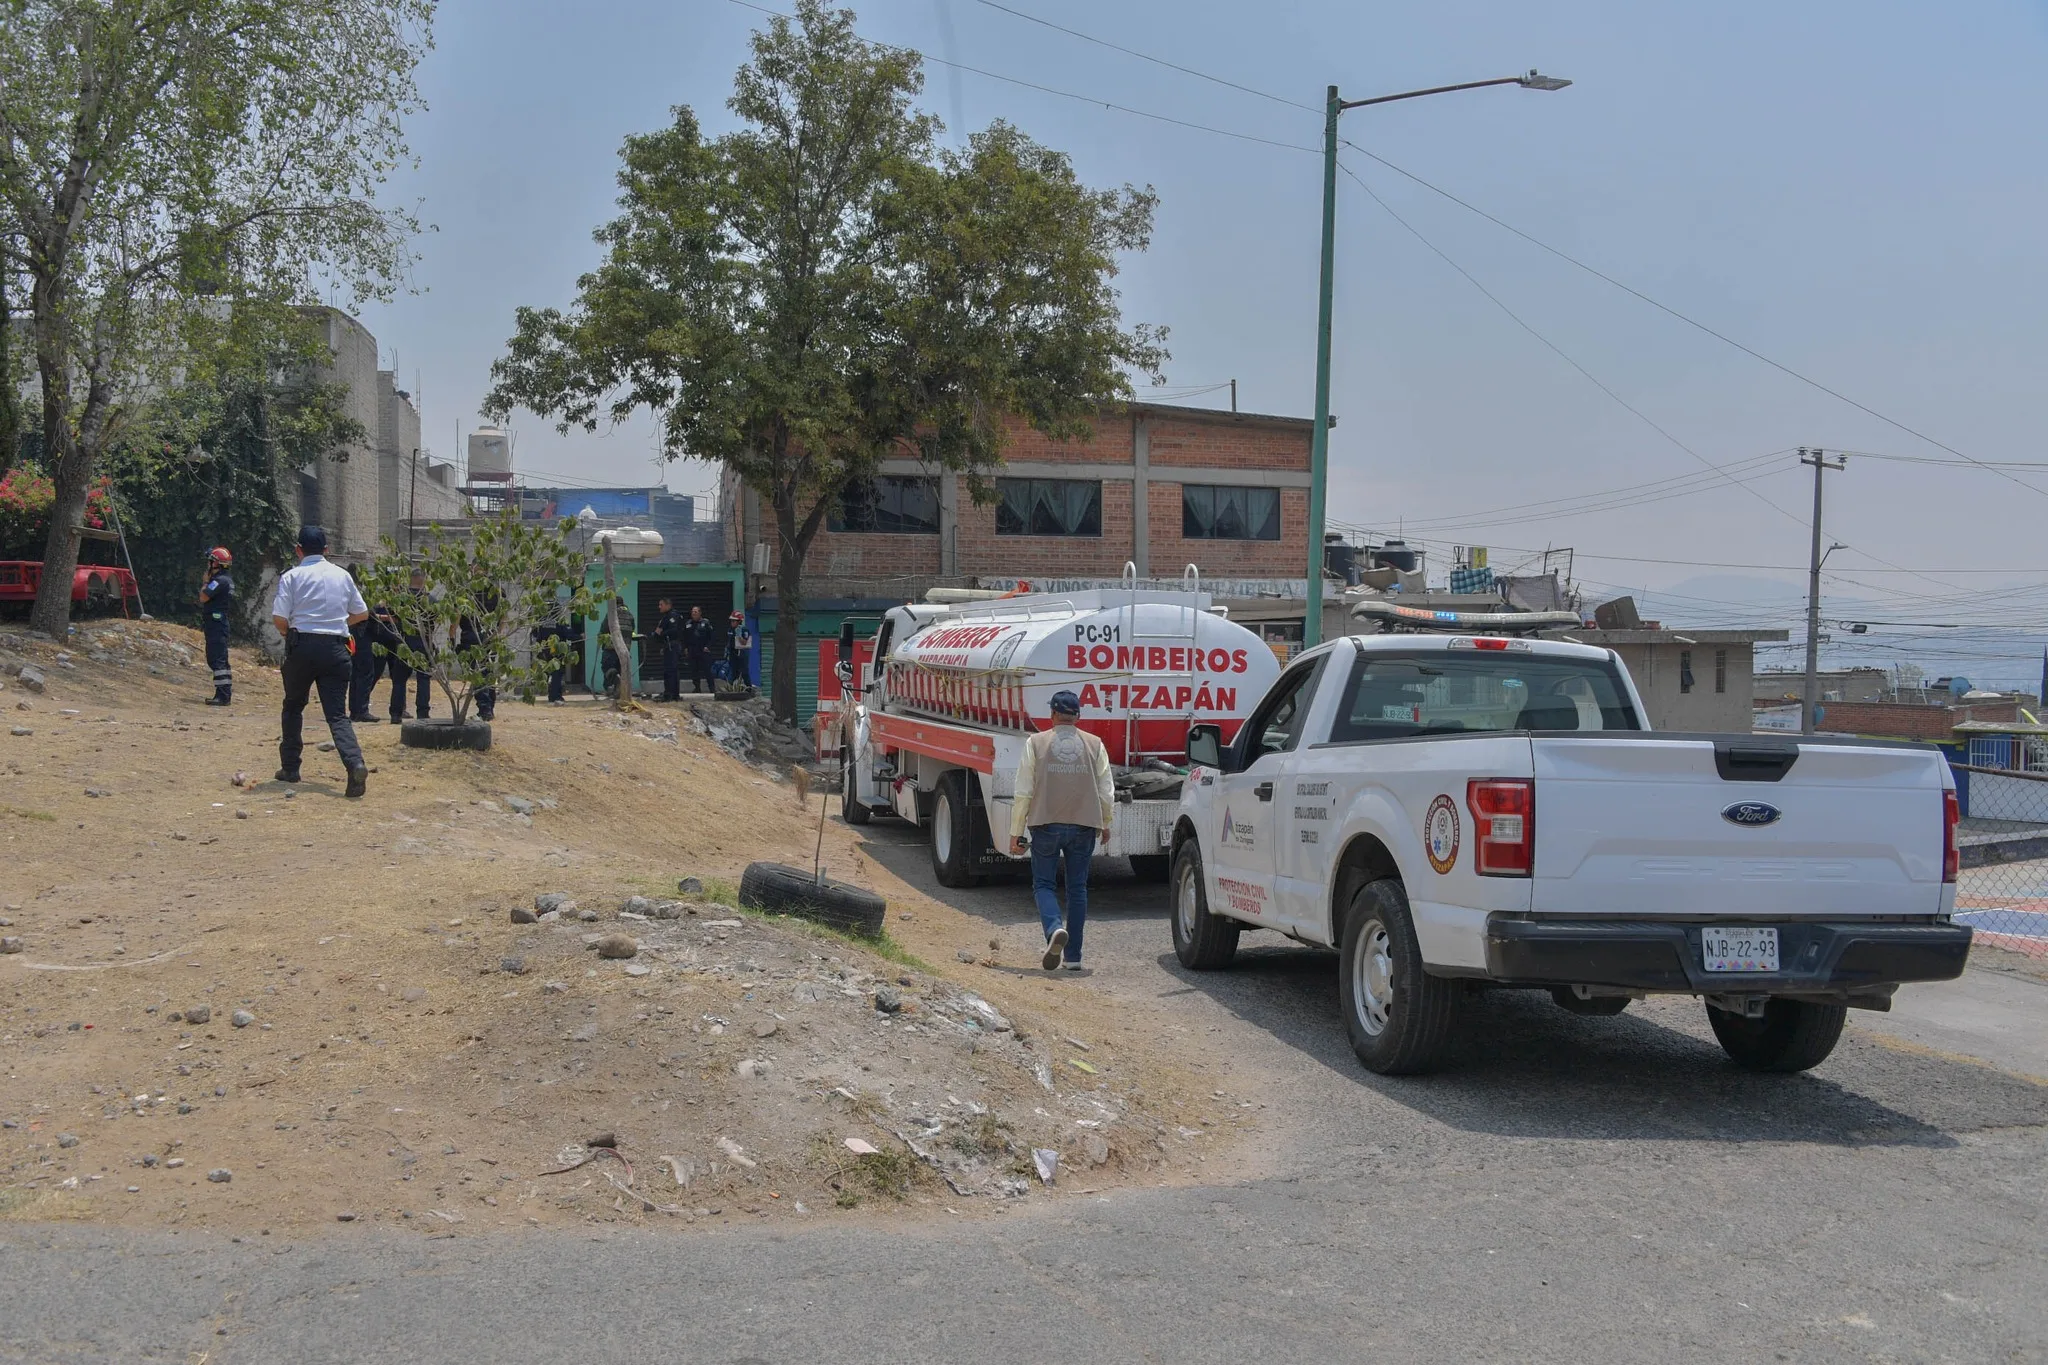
<point x="889" y="505"/>
<point x="1048" y="507"/>
<point x="1213" y="512"/>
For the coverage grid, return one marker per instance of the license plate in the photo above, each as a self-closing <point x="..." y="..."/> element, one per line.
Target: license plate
<point x="1166" y="836"/>
<point x="1740" y="948"/>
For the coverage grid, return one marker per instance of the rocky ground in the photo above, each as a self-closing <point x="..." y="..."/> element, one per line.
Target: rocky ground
<point x="480" y="998"/>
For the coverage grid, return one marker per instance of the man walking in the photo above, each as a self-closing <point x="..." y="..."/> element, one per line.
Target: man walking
<point x="668" y="628"/>
<point x="316" y="604"/>
<point x="216" y="615"/>
<point x="699" y="638"/>
<point x="1065" y="796"/>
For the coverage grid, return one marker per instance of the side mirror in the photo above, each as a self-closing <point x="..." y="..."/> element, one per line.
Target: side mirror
<point x="844" y="669"/>
<point x="846" y="640"/>
<point x="1205" y="746"/>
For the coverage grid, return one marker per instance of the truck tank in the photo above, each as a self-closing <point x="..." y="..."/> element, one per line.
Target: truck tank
<point x="1145" y="664"/>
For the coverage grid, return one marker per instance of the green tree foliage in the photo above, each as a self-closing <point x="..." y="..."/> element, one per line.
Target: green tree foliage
<point x="825" y="288"/>
<point x="213" y="461"/>
<point x="159" y="156"/>
<point x="505" y="578"/>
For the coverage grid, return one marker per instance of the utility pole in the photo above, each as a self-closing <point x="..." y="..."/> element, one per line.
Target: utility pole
<point x="1821" y="464"/>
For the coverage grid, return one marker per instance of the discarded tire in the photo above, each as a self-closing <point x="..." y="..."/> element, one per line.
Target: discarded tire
<point x="443" y="734"/>
<point x="790" y="891"/>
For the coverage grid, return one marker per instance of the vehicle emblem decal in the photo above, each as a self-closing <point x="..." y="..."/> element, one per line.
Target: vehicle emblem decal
<point x="1752" y="814"/>
<point x="1440" y="834"/>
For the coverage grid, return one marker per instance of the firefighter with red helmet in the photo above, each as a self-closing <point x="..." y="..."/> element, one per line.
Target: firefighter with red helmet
<point x="216" y="615"/>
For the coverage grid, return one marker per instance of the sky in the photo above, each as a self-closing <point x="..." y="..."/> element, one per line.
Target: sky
<point x="1852" y="190"/>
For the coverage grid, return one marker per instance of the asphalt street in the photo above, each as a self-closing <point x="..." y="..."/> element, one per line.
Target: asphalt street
<point x="1585" y="1189"/>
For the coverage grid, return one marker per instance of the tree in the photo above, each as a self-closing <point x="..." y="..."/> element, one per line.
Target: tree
<point x="158" y="156"/>
<point x="824" y="288"/>
<point x="214" y="460"/>
<point x="506" y="578"/>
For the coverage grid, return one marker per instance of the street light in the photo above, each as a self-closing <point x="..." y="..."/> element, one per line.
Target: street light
<point x="1319" y="441"/>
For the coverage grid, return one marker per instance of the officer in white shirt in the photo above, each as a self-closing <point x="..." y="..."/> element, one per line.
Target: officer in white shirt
<point x="316" y="604"/>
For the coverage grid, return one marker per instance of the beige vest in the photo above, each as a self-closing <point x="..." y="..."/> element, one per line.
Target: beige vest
<point x="1064" y="791"/>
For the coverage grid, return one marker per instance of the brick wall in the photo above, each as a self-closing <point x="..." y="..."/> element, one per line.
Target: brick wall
<point x="1900" y="720"/>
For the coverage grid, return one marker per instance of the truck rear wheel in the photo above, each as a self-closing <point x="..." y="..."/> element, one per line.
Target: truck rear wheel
<point x="1202" y="941"/>
<point x="1792" y="1036"/>
<point x="1400" y="1018"/>
<point x="954" y="847"/>
<point x="851" y="808"/>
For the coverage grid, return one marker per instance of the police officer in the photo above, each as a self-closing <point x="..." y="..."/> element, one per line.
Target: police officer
<point x="558" y="677"/>
<point x="316" y="604"/>
<point x="739" y="650"/>
<point x="700" y="637"/>
<point x="408" y="634"/>
<point x="668" y="628"/>
<point x="375" y="640"/>
<point x="469" y="634"/>
<point x="216" y="614"/>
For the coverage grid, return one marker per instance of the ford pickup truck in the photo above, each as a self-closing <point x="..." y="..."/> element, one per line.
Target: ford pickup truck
<point x="1455" y="814"/>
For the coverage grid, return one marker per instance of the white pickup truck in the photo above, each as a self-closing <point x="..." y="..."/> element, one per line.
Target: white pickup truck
<point x="1453" y="814"/>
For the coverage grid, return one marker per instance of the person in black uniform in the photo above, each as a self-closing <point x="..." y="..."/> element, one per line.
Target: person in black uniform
<point x="469" y="635"/>
<point x="216" y="614"/>
<point x="423" y="681"/>
<point x="369" y="663"/>
<point x="668" y="628"/>
<point x="700" y="638"/>
<point x="558" y="677"/>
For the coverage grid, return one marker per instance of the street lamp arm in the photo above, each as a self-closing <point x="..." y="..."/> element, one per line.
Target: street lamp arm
<point x="1433" y="90"/>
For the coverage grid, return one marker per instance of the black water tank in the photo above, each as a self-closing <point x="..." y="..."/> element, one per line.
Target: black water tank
<point x="1395" y="554"/>
<point x="1341" y="559"/>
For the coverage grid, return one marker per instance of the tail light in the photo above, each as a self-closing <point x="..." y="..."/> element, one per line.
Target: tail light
<point x="1504" y="825"/>
<point x="1951" y="855"/>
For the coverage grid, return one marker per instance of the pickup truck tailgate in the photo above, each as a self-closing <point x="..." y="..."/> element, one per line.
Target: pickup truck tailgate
<point x="1647" y="826"/>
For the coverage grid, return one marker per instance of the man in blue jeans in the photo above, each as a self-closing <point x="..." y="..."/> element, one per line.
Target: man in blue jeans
<point x="1065" y="796"/>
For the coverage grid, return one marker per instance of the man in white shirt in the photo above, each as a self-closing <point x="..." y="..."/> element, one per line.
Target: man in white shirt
<point x="316" y="604"/>
<point x="1065" y="795"/>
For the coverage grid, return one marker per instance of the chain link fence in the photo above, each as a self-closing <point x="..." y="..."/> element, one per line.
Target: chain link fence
<point x="2002" y="890"/>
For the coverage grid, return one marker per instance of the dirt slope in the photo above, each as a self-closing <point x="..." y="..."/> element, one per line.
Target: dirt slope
<point x="415" y="1056"/>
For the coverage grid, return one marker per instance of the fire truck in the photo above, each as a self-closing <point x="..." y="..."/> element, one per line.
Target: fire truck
<point x="935" y="712"/>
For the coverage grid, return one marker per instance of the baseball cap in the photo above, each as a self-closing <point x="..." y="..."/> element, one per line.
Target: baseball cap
<point x="313" y="540"/>
<point x="1066" y="702"/>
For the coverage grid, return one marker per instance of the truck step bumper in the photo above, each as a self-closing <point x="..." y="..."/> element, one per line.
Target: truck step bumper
<point x="1647" y="955"/>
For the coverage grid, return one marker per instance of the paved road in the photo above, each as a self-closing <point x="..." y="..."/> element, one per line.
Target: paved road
<point x="1594" y="1190"/>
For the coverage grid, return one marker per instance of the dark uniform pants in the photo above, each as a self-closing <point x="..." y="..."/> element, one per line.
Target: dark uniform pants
<point x="217" y="656"/>
<point x="322" y="662"/>
<point x="700" y="670"/>
<point x="423" y="684"/>
<point x="671" y="670"/>
<point x="368" y="667"/>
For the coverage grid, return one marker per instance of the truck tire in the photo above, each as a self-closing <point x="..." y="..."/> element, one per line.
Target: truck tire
<point x="1202" y="941"/>
<point x="1400" y="1018"/>
<point x="954" y="850"/>
<point x="791" y="891"/>
<point x="852" y="809"/>
<point x="1793" y="1035"/>
<point x="1151" y="867"/>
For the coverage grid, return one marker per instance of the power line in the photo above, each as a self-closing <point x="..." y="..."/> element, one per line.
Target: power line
<point x="1750" y="351"/>
<point x="1148" y="57"/>
<point x="1063" y="94"/>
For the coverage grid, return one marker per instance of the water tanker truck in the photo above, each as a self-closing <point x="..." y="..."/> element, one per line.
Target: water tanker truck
<point x="933" y="729"/>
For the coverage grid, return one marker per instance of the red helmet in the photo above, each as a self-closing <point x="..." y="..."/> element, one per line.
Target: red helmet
<point x="739" y="616"/>
<point x="219" y="555"/>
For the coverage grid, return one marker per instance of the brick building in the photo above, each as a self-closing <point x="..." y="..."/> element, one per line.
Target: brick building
<point x="1157" y="486"/>
<point x="1935" y="724"/>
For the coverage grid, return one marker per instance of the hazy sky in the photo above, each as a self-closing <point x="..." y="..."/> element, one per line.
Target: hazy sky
<point x="1853" y="189"/>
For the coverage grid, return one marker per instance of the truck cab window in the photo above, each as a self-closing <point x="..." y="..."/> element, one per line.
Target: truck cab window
<point x="1450" y="692"/>
<point x="1277" y="725"/>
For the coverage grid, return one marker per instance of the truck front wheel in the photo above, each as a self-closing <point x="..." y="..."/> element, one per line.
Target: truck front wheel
<point x="1400" y="1018"/>
<point x="1202" y="941"/>
<point x="852" y="809"/>
<point x="1792" y="1035"/>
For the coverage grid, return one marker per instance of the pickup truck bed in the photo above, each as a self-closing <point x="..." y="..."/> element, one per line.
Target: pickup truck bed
<point x="1447" y="812"/>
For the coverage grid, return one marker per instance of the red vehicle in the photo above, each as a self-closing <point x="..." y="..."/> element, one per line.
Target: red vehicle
<point x="96" y="589"/>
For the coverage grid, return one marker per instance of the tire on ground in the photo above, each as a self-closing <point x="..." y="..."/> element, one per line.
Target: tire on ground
<point x="1400" y="1018"/>
<point x="956" y="847"/>
<point x="851" y="808"/>
<point x="1202" y="941"/>
<point x="791" y="891"/>
<point x="1151" y="867"/>
<point x="474" y="735"/>
<point x="1792" y="1036"/>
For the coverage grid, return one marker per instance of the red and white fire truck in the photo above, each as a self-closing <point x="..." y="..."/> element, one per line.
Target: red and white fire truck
<point x="933" y="730"/>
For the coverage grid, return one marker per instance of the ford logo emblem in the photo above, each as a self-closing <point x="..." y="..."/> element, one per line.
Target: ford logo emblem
<point x="1752" y="813"/>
